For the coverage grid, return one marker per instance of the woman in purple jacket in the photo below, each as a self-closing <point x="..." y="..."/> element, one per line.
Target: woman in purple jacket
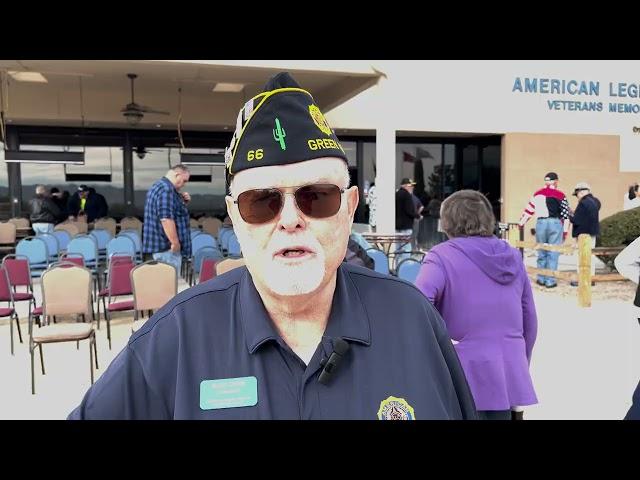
<point x="480" y="286"/>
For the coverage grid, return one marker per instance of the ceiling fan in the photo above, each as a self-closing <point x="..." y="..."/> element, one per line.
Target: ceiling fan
<point x="134" y="112"/>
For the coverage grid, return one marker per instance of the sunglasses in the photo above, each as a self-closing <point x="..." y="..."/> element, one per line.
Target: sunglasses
<point x="263" y="205"/>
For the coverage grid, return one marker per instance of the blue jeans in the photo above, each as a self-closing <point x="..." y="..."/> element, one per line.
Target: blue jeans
<point x="39" y="228"/>
<point x="548" y="230"/>
<point x="174" y="259"/>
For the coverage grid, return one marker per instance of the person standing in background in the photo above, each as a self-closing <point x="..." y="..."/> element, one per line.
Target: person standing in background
<point x="551" y="208"/>
<point x="44" y="212"/>
<point x="166" y="232"/>
<point x="632" y="197"/>
<point x="494" y="342"/>
<point x="372" y="201"/>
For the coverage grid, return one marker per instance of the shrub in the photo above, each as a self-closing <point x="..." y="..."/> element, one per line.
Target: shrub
<point x="621" y="228"/>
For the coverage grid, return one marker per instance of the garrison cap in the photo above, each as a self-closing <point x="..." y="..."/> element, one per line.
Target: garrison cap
<point x="279" y="126"/>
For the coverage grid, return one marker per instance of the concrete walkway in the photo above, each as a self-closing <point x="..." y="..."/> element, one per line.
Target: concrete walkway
<point x="586" y="363"/>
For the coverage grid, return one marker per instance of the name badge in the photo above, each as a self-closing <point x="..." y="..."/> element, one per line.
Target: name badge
<point x="228" y="393"/>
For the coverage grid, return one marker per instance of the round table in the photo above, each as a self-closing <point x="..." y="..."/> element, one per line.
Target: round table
<point x="384" y="241"/>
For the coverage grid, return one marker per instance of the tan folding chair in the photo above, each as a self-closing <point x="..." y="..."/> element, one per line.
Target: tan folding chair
<point x="7" y="237"/>
<point x="66" y="290"/>
<point x="106" y="223"/>
<point x="81" y="224"/>
<point x="154" y="284"/>
<point x="69" y="227"/>
<point x="131" y="223"/>
<point x="211" y="225"/>
<point x="20" y="222"/>
<point x="228" y="264"/>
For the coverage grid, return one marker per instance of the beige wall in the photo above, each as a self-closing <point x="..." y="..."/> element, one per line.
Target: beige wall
<point x="595" y="159"/>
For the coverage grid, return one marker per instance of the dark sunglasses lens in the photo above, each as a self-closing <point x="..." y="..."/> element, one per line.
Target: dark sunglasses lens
<point x="259" y="206"/>
<point x="319" y="201"/>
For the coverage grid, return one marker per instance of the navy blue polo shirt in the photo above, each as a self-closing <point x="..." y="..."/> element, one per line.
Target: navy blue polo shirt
<point x="400" y="364"/>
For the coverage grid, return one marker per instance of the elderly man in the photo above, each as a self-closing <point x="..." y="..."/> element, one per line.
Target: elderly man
<point x="165" y="231"/>
<point x="296" y="334"/>
<point x="44" y="212"/>
<point x="586" y="219"/>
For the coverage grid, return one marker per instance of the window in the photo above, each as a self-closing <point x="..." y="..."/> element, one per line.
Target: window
<point x="33" y="174"/>
<point x="206" y="197"/>
<point x="102" y="170"/>
<point x="350" y="150"/>
<point x="422" y="163"/>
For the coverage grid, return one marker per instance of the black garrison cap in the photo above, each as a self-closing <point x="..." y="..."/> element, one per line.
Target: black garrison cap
<point x="281" y="125"/>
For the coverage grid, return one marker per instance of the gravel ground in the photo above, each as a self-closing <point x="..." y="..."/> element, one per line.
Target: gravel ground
<point x="624" y="291"/>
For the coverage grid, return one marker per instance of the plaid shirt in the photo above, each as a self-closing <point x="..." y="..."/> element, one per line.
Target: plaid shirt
<point x="164" y="201"/>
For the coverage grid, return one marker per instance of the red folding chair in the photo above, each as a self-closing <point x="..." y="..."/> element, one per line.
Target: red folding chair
<point x="104" y="293"/>
<point x="207" y="269"/>
<point x="6" y="295"/>
<point x="19" y="273"/>
<point x="118" y="284"/>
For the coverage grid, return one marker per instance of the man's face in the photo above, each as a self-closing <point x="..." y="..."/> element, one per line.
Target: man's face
<point x="294" y="254"/>
<point x="181" y="179"/>
<point x="409" y="187"/>
<point x="84" y="194"/>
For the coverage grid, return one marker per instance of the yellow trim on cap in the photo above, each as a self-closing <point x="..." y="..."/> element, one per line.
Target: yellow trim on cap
<point x="266" y="95"/>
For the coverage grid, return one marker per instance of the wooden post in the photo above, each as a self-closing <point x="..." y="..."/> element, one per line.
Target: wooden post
<point x="513" y="235"/>
<point x="584" y="270"/>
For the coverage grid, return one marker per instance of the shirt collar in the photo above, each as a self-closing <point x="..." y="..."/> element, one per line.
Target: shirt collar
<point x="348" y="318"/>
<point x="168" y="182"/>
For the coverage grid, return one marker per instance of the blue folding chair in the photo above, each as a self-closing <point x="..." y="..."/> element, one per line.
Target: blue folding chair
<point x="194" y="233"/>
<point x="137" y="241"/>
<point x="223" y="238"/>
<point x="53" y="247"/>
<point x="203" y="240"/>
<point x="63" y="237"/>
<point x="408" y="269"/>
<point x="102" y="237"/>
<point x="35" y="249"/>
<point x="86" y="246"/>
<point x="121" y="244"/>
<point x="380" y="260"/>
<point x="233" y="246"/>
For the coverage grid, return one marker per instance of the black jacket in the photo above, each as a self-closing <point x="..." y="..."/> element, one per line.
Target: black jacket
<point x="43" y="210"/>
<point x="586" y="217"/>
<point x="96" y="206"/>
<point x="405" y="210"/>
<point x="62" y="204"/>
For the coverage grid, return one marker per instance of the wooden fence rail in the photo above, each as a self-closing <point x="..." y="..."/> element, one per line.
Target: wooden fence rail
<point x="583" y="274"/>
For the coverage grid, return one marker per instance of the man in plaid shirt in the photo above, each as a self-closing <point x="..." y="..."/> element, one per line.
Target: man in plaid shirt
<point x="551" y="208"/>
<point x="165" y="232"/>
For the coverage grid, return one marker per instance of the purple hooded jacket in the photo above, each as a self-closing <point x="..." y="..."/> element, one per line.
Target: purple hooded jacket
<point x="480" y="287"/>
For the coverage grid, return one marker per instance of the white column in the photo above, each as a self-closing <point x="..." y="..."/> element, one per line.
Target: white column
<point x="385" y="161"/>
<point x="386" y="179"/>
